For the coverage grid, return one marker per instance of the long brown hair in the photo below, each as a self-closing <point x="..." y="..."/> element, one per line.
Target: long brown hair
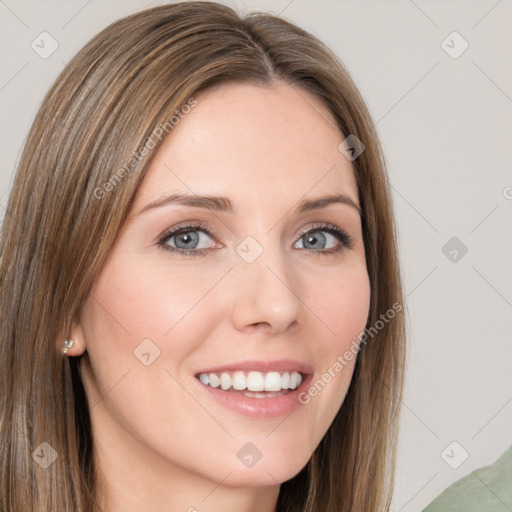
<point x="62" y="219"/>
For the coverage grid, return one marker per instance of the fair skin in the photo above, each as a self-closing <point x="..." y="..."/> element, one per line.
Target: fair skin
<point x="161" y="442"/>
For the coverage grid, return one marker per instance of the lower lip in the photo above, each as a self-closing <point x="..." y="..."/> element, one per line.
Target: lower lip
<point x="271" y="407"/>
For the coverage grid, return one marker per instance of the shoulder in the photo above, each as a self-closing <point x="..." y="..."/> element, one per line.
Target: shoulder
<point x="486" y="489"/>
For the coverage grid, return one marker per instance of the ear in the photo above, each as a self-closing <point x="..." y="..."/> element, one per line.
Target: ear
<point x="79" y="346"/>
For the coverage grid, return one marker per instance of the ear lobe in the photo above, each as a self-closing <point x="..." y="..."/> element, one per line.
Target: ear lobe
<point x="79" y="346"/>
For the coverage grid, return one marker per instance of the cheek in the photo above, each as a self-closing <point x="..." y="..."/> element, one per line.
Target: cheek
<point x="144" y="301"/>
<point x="341" y="302"/>
<point x="341" y="306"/>
<point x="135" y="310"/>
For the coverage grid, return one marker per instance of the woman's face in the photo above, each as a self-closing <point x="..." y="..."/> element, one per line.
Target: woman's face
<point x="268" y="288"/>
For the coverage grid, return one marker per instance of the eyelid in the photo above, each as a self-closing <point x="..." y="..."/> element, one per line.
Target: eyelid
<point x="187" y="226"/>
<point x="324" y="226"/>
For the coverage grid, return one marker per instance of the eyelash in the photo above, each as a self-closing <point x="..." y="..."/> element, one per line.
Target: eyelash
<point x="344" y="238"/>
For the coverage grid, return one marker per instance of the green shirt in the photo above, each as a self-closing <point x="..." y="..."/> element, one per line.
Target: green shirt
<point x="487" y="489"/>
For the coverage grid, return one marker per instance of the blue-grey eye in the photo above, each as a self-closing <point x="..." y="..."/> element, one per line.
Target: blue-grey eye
<point x="317" y="239"/>
<point x="188" y="239"/>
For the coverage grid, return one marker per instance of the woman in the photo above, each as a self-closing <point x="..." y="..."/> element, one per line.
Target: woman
<point x="201" y="304"/>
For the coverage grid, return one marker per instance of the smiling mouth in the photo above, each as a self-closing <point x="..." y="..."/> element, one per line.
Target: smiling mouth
<point x="253" y="384"/>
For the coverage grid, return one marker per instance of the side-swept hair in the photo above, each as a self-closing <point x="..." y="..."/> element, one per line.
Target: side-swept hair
<point x="126" y="82"/>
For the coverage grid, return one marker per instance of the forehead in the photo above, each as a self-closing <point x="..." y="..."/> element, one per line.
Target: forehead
<point x="254" y="143"/>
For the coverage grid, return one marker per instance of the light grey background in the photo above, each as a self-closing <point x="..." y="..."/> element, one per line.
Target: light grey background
<point x="446" y="131"/>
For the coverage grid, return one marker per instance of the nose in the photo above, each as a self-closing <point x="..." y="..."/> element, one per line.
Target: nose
<point x="266" y="294"/>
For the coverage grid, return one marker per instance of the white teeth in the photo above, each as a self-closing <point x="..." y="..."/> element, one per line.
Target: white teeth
<point x="225" y="381"/>
<point x="273" y="381"/>
<point x="214" y="380"/>
<point x="269" y="394"/>
<point x="255" y="381"/>
<point x="239" y="381"/>
<point x="252" y="381"/>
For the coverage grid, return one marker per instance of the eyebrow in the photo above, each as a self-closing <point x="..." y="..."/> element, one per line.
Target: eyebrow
<point x="224" y="204"/>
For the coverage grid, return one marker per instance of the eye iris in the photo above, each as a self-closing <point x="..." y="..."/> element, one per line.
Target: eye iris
<point x="187" y="237"/>
<point x="314" y="238"/>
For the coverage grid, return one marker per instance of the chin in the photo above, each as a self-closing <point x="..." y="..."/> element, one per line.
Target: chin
<point x="266" y="472"/>
<point x="264" y="476"/>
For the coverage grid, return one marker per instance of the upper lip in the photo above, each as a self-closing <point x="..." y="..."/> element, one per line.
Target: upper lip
<point x="281" y="365"/>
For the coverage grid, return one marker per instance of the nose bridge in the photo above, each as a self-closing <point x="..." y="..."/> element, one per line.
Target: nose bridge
<point x="266" y="288"/>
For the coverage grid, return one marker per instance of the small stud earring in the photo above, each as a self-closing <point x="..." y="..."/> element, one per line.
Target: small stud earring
<point x="67" y="345"/>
